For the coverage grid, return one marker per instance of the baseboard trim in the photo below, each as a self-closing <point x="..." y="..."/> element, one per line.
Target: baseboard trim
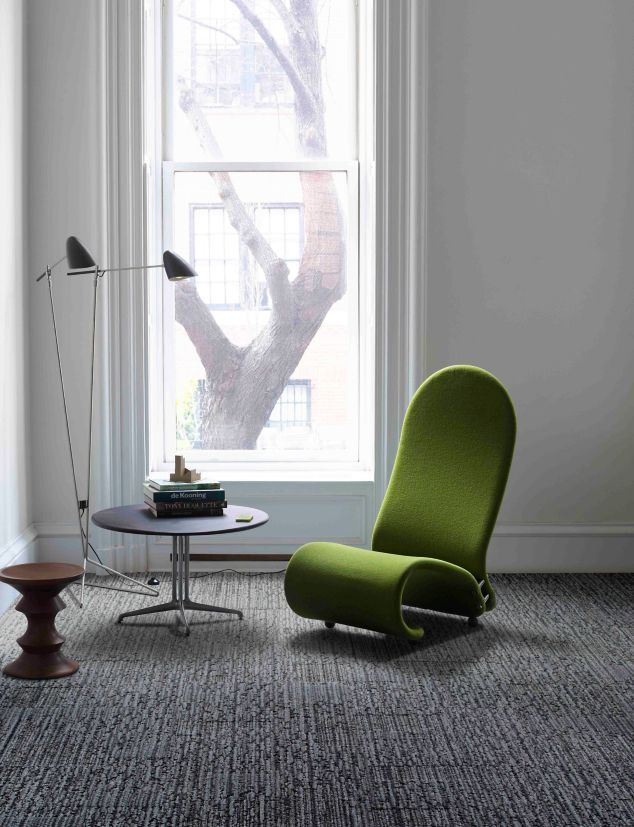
<point x="210" y="558"/>
<point x="13" y="551"/>
<point x="56" y="530"/>
<point x="562" y="530"/>
<point x="530" y="547"/>
<point x="558" y="548"/>
<point x="22" y="549"/>
<point x="60" y="542"/>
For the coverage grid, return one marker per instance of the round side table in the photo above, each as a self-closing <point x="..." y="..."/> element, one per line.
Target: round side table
<point x="40" y="585"/>
<point x="138" y="519"/>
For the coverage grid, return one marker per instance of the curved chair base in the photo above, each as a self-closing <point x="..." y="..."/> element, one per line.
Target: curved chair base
<point x="343" y="584"/>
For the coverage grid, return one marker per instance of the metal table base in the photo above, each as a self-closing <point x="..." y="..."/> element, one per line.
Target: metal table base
<point x="180" y="589"/>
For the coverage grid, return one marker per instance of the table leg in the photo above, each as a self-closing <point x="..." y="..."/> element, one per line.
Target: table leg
<point x="186" y="551"/>
<point x="150" y="610"/>
<point x="181" y="582"/>
<point x="180" y="590"/>
<point x="160" y="607"/>
<point x="204" y="607"/>
<point x="174" y="568"/>
<point x="200" y="607"/>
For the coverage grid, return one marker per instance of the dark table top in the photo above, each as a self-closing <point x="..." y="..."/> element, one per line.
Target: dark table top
<point x="138" y="519"/>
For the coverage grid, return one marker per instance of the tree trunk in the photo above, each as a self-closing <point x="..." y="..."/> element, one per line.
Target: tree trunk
<point x="244" y="383"/>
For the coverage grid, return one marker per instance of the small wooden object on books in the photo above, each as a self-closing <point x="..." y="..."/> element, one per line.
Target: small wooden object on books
<point x="183" y="474"/>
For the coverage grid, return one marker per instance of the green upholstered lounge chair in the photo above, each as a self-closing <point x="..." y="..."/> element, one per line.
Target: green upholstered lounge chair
<point x="430" y="539"/>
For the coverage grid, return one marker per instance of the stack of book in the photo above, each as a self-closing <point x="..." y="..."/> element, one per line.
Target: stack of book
<point x="204" y="498"/>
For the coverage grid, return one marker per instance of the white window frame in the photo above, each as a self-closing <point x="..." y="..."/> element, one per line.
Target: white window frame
<point x="310" y="506"/>
<point x="359" y="464"/>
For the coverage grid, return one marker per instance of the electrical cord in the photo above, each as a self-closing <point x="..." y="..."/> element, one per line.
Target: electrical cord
<point x="235" y="571"/>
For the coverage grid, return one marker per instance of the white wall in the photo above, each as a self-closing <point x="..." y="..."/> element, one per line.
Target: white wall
<point x="531" y="242"/>
<point x="65" y="157"/>
<point x="15" y="499"/>
<point x="530" y="249"/>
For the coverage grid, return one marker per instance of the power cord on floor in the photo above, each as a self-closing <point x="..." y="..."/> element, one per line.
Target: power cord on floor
<point x="235" y="571"/>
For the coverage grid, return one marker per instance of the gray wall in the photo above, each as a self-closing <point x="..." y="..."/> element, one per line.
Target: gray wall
<point x="15" y="505"/>
<point x="66" y="157"/>
<point x="531" y="236"/>
<point x="530" y="248"/>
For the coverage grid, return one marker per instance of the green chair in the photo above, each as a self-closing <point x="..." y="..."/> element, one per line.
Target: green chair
<point x="431" y="536"/>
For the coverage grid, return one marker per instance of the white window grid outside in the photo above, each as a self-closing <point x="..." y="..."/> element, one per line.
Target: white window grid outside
<point x="164" y="457"/>
<point x="228" y="275"/>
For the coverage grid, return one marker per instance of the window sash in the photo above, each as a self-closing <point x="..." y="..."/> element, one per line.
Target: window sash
<point x="363" y="48"/>
<point x="361" y="246"/>
<point x="360" y="453"/>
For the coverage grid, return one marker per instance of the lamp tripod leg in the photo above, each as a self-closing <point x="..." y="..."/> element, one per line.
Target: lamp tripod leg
<point x="83" y="536"/>
<point x="84" y="554"/>
<point x="83" y="585"/>
<point x="148" y="590"/>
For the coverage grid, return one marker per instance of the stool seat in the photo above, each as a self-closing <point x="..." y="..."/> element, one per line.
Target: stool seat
<point x="40" y="585"/>
<point x="40" y="575"/>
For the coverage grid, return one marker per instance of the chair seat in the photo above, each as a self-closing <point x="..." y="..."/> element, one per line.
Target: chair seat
<point x="344" y="584"/>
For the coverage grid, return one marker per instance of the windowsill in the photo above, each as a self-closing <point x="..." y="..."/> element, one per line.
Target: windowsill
<point x="266" y="475"/>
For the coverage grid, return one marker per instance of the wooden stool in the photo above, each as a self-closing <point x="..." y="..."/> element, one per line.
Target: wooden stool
<point x="40" y="585"/>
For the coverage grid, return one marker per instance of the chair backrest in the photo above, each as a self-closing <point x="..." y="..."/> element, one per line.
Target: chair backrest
<point x="451" y="469"/>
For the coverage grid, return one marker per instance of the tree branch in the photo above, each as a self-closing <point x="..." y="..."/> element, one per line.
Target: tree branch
<point x="245" y="382"/>
<point x="322" y="271"/>
<point x="190" y="106"/>
<point x="213" y="347"/>
<point x="208" y="26"/>
<point x="302" y="91"/>
<point x="275" y="268"/>
<point x="290" y="24"/>
<point x="306" y="53"/>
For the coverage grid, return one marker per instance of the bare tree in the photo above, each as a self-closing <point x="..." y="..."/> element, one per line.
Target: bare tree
<point x="244" y="383"/>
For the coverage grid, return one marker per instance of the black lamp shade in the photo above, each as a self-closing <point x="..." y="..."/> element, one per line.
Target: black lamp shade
<point x="177" y="268"/>
<point x="77" y="255"/>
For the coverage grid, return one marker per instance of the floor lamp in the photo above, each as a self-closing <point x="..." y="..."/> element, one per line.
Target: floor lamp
<point x="80" y="262"/>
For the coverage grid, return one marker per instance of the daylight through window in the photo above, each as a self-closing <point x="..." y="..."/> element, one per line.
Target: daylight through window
<point x="260" y="353"/>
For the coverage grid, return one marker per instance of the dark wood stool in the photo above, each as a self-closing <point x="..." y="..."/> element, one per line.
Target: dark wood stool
<point x="40" y="585"/>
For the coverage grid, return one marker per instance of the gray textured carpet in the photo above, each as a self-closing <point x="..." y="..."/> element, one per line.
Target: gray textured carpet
<point x="274" y="720"/>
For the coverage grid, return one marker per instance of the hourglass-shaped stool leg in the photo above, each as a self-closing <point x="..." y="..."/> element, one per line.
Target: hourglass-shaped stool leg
<point x="40" y="585"/>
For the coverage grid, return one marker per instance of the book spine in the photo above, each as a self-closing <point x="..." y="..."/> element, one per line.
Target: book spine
<point x="215" y="495"/>
<point x="186" y="509"/>
<point x="163" y="485"/>
<point x="211" y="512"/>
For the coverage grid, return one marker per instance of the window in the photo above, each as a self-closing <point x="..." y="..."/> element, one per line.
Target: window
<point x="229" y="277"/>
<point x="292" y="409"/>
<point x="291" y="415"/>
<point x="230" y="65"/>
<point x="260" y="360"/>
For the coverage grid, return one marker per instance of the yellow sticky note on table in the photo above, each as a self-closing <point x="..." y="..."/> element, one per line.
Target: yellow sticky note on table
<point x="244" y="518"/>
